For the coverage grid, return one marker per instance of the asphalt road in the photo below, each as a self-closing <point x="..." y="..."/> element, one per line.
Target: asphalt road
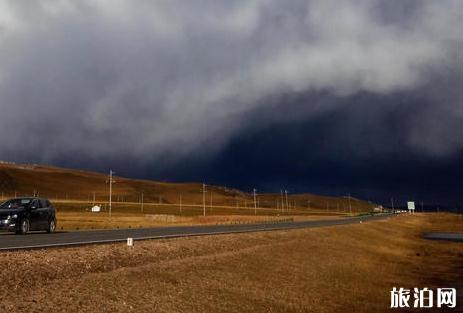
<point x="10" y="241"/>
<point x="445" y="236"/>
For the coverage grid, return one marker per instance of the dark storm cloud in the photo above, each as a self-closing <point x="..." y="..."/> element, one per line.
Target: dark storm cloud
<point x="165" y="82"/>
<point x="359" y="149"/>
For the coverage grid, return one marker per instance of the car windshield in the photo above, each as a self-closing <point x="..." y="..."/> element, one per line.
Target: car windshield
<point x="15" y="204"/>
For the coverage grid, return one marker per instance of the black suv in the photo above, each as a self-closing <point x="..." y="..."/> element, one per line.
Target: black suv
<point x="22" y="215"/>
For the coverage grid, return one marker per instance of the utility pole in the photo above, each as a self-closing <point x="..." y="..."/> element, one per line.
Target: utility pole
<point x="142" y="202"/>
<point x="110" y="191"/>
<point x="286" y="194"/>
<point x="255" y="201"/>
<point x="350" y="206"/>
<point x="211" y="201"/>
<point x="94" y="198"/>
<point x="422" y="207"/>
<point x="392" y="203"/>
<point x="204" y="199"/>
<point x="180" y="204"/>
<point x="282" y="201"/>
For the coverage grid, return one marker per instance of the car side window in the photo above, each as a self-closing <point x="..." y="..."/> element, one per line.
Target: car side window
<point x="34" y="203"/>
<point x="43" y="204"/>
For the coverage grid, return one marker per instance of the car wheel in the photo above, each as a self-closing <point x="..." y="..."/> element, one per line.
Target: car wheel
<point x="24" y="228"/>
<point x="51" y="226"/>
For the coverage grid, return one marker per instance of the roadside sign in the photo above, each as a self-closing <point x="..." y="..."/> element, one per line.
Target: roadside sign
<point x="411" y="206"/>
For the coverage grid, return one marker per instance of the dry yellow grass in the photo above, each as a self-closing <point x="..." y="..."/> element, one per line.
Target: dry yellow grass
<point x="335" y="269"/>
<point x="87" y="220"/>
<point x="74" y="215"/>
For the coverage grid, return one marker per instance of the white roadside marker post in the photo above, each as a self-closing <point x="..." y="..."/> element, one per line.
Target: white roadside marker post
<point x="130" y="242"/>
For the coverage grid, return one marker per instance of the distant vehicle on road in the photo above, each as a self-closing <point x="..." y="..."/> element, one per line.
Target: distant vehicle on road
<point x="21" y="215"/>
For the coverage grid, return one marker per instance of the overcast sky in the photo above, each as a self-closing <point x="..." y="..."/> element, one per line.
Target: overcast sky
<point x="320" y="96"/>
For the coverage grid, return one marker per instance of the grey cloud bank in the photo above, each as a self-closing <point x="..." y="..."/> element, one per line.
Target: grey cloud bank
<point x="156" y="78"/>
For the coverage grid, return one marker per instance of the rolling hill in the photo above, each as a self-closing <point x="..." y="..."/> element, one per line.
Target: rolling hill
<point x="71" y="184"/>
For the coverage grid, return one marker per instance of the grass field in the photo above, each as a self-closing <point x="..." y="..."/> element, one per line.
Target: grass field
<point x="81" y="221"/>
<point x="74" y="215"/>
<point x="349" y="268"/>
